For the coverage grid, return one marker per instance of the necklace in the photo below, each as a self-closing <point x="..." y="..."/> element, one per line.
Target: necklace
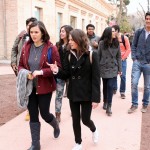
<point x="36" y="57"/>
<point x="36" y="51"/>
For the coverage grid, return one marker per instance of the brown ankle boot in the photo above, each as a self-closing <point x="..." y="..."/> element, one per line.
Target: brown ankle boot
<point x="58" y="116"/>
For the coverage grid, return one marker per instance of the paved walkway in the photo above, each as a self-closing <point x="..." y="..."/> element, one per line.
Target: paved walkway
<point x="119" y="132"/>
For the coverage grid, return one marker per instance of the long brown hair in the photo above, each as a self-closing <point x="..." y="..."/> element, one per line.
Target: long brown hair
<point x="67" y="28"/>
<point x="81" y="39"/>
<point x="40" y="24"/>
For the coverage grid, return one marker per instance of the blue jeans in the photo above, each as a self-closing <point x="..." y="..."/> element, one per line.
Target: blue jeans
<point x="123" y="78"/>
<point x="137" y="69"/>
<point x="108" y="89"/>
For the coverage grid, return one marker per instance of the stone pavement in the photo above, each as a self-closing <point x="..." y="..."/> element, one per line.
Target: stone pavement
<point x="119" y="132"/>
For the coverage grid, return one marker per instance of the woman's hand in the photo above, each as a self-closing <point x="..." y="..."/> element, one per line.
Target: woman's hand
<point x="30" y="77"/>
<point x="94" y="105"/>
<point x="95" y="44"/>
<point x="120" y="73"/>
<point x="14" y="67"/>
<point x="53" y="67"/>
<point x="36" y="73"/>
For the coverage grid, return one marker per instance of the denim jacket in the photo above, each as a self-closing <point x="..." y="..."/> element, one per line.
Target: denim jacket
<point x="141" y="47"/>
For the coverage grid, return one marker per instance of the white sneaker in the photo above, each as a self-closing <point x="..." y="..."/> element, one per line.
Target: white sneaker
<point x="95" y="136"/>
<point x="77" y="147"/>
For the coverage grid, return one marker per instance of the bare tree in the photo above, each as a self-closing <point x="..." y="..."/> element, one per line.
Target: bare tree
<point x="120" y="12"/>
<point x="141" y="15"/>
<point x="142" y="8"/>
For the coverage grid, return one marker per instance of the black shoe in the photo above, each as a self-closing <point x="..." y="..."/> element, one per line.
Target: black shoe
<point x="114" y="91"/>
<point x="104" y="105"/>
<point x="123" y="96"/>
<point x="108" y="110"/>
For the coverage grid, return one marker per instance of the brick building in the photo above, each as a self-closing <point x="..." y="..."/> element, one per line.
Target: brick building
<point x="54" y="14"/>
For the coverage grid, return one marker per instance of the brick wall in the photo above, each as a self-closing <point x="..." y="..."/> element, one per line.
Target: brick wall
<point x="11" y="25"/>
<point x="15" y="12"/>
<point x="8" y="27"/>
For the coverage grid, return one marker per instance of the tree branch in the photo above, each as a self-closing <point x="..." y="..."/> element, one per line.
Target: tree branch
<point x="142" y="9"/>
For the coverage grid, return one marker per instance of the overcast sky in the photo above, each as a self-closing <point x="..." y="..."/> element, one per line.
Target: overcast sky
<point x="134" y="5"/>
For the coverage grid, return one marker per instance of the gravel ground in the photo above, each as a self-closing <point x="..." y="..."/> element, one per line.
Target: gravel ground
<point x="8" y="102"/>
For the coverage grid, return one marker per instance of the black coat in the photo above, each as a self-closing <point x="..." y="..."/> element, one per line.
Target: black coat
<point x="63" y="51"/>
<point x="84" y="77"/>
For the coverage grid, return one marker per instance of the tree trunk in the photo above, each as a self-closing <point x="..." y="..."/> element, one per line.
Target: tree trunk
<point x="120" y="12"/>
<point x="148" y="5"/>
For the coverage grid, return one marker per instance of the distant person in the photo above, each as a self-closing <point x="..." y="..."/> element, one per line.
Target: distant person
<point x="110" y="65"/>
<point x="131" y="38"/>
<point x="125" y="51"/>
<point x="18" y="44"/>
<point x="63" y="49"/>
<point x="34" y="58"/>
<point x="93" y="38"/>
<point x="126" y="34"/>
<point x="17" y="48"/>
<point x="141" y="64"/>
<point x="84" y="84"/>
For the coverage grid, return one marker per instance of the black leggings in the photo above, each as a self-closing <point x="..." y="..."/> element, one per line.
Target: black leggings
<point x="86" y="109"/>
<point x="40" y="102"/>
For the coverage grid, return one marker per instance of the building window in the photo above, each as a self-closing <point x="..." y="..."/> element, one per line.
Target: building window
<point x="38" y="13"/>
<point x="59" y="24"/>
<point x="73" y="21"/>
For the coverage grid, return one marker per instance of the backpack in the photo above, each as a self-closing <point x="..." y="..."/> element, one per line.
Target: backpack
<point x="139" y="33"/>
<point x="21" y="35"/>
<point x="123" y="40"/>
<point x="91" y="52"/>
<point x="49" y="55"/>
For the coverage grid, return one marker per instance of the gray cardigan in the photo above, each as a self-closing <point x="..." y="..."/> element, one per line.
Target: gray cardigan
<point x="24" y="88"/>
<point x="109" y="61"/>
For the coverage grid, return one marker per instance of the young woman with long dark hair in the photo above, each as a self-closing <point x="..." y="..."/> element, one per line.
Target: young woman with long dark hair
<point x="63" y="49"/>
<point x="110" y="65"/>
<point x="34" y="59"/>
<point x="84" y="84"/>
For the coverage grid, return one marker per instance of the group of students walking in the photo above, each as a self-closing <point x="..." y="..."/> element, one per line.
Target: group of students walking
<point x="81" y="64"/>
